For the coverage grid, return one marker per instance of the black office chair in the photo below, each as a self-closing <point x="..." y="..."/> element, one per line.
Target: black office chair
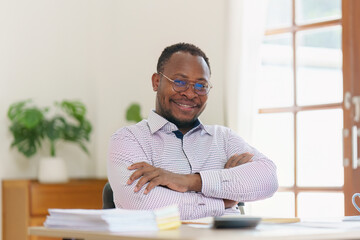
<point x="108" y="199"/>
<point x="241" y="206"/>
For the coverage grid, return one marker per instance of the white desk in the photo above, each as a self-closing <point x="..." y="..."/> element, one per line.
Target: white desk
<point x="263" y="231"/>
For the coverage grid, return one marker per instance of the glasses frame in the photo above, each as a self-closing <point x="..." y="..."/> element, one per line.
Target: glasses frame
<point x="187" y="85"/>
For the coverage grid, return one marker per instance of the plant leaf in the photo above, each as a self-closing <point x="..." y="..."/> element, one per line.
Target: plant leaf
<point x="133" y="113"/>
<point x="31" y="118"/>
<point x="75" y="109"/>
<point x="16" y="108"/>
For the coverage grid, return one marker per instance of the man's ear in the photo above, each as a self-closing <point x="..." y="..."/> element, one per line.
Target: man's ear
<point x="155" y="81"/>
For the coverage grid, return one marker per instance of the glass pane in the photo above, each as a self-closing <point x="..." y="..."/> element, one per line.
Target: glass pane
<point x="319" y="66"/>
<point x="274" y="136"/>
<point x="310" y="11"/>
<point x="316" y="205"/>
<point x="275" y="86"/>
<point x="279" y="14"/>
<point x="282" y="204"/>
<point x="319" y="142"/>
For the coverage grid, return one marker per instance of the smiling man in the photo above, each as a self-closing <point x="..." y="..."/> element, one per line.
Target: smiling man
<point x="172" y="158"/>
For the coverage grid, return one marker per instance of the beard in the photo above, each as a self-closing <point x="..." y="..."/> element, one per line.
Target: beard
<point x="179" y="123"/>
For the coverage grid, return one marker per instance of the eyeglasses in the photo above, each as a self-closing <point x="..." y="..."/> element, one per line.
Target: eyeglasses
<point x="181" y="85"/>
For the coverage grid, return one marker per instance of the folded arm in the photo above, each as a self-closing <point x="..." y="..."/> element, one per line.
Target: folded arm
<point x="245" y="177"/>
<point x="252" y="181"/>
<point x="137" y="184"/>
<point x="248" y="182"/>
<point x="154" y="176"/>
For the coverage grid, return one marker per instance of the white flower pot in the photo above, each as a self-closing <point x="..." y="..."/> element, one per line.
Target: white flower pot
<point x="52" y="170"/>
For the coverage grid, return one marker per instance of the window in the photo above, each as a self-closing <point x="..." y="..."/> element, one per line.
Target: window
<point x="299" y="100"/>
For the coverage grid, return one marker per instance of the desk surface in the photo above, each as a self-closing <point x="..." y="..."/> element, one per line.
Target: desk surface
<point x="262" y="231"/>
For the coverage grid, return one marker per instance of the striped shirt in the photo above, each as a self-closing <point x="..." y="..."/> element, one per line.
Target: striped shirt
<point x="205" y="150"/>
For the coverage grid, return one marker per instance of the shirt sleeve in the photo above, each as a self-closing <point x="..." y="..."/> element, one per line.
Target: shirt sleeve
<point x="125" y="150"/>
<point x="251" y="181"/>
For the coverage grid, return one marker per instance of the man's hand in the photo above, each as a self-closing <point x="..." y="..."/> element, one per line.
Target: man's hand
<point x="229" y="203"/>
<point x="147" y="173"/>
<point x="237" y="160"/>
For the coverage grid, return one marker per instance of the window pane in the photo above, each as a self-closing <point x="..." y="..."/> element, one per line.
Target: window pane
<point x="282" y="204"/>
<point x="315" y="205"/>
<point x="279" y="14"/>
<point x="319" y="141"/>
<point x="275" y="87"/>
<point x="274" y="136"/>
<point x="319" y="66"/>
<point x="310" y="11"/>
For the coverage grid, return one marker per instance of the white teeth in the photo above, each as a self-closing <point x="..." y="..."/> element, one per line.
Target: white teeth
<point x="184" y="105"/>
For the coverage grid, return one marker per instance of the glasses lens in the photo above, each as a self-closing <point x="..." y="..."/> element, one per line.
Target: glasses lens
<point x="180" y="85"/>
<point x="201" y="88"/>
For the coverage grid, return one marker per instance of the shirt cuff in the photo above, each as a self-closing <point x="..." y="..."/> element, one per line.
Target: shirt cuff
<point x="211" y="183"/>
<point x="202" y="207"/>
<point x="210" y="206"/>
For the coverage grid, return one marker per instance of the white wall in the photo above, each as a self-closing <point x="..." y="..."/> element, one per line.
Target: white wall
<point x="102" y="52"/>
<point x="129" y="39"/>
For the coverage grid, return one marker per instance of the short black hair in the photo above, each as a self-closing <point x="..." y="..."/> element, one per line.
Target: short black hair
<point x="180" y="47"/>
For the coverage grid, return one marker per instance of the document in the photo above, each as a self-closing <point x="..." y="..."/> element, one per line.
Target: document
<point x="334" y="223"/>
<point x="352" y="218"/>
<point x="114" y="220"/>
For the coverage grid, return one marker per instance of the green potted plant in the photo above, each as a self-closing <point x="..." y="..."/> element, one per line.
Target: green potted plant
<point x="133" y="113"/>
<point x="31" y="126"/>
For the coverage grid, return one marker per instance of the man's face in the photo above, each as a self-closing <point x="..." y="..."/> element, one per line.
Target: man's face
<point x="181" y="108"/>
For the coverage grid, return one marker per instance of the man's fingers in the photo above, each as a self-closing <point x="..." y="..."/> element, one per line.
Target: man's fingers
<point x="137" y="174"/>
<point x="232" y="158"/>
<point x="229" y="203"/>
<point x="246" y="158"/>
<point x="138" y="165"/>
<point x="152" y="184"/>
<point x="232" y="162"/>
<point x="152" y="176"/>
<point x="147" y="177"/>
<point x="237" y="160"/>
<point x="140" y="172"/>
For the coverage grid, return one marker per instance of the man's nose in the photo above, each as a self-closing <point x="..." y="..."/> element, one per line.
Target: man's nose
<point x="190" y="92"/>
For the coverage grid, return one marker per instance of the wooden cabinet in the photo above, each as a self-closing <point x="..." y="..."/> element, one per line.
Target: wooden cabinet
<point x="25" y="202"/>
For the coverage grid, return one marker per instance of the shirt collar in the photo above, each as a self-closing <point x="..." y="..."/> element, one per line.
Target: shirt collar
<point x="157" y="122"/>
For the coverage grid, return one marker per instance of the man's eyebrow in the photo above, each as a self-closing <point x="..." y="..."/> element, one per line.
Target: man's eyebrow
<point x="185" y="76"/>
<point x="181" y="75"/>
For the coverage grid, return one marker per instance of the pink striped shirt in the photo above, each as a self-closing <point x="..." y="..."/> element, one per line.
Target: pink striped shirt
<point x="205" y="150"/>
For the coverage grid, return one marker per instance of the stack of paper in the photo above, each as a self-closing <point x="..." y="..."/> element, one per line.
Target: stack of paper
<point x="352" y="218"/>
<point x="115" y="220"/>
